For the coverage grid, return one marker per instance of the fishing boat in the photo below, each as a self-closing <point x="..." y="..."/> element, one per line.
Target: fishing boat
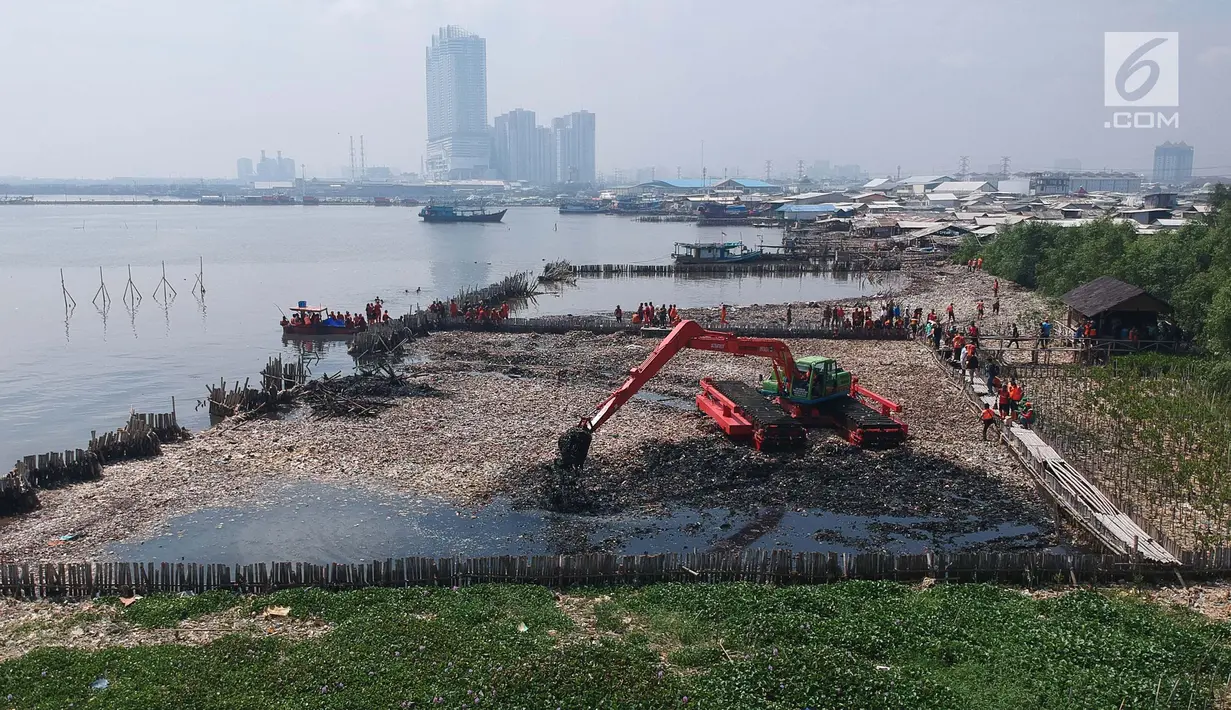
<point x="325" y="326"/>
<point x="457" y="213"/>
<point x="714" y="253"/>
<point x="382" y="201"/>
<point x="581" y="207"/>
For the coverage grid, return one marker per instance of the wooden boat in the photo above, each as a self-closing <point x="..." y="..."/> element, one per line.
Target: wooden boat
<point x="324" y="328"/>
<point x="453" y="213"/>
<point x="714" y="253"/>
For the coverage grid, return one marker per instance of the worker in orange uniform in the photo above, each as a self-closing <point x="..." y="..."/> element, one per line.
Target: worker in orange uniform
<point x="722" y="315"/>
<point x="959" y="343"/>
<point x="995" y="287"/>
<point x="637" y="318"/>
<point x="453" y="309"/>
<point x="1015" y="396"/>
<point x="504" y="310"/>
<point x="988" y="417"/>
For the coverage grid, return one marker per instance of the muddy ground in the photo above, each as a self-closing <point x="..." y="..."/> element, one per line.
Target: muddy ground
<point x="503" y="401"/>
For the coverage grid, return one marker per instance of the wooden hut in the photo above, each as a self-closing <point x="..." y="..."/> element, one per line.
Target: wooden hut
<point x="1113" y="306"/>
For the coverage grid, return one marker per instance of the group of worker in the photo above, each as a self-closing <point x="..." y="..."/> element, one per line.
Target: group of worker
<point x="648" y="314"/>
<point x="471" y="313"/>
<point x="333" y="319"/>
<point x="975" y="264"/>
<point x="374" y="311"/>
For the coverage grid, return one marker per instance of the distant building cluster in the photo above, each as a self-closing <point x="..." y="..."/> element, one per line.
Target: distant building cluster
<point x="278" y="169"/>
<point x="461" y="145"/>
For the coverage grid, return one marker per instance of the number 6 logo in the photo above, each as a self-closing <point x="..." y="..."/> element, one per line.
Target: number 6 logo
<point x="1141" y="69"/>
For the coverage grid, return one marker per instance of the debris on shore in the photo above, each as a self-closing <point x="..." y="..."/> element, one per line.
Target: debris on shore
<point x="363" y="395"/>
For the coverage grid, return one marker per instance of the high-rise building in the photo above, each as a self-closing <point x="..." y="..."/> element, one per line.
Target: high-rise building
<point x="574" y="142"/>
<point x="545" y="144"/>
<point x="515" y="148"/>
<point x="1173" y="163"/>
<point x="243" y="169"/>
<point x="458" y="139"/>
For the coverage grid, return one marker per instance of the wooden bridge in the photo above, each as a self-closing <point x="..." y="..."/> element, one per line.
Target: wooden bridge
<point x="1071" y="491"/>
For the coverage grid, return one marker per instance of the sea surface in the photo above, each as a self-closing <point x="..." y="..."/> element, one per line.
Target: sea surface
<point x="61" y="377"/>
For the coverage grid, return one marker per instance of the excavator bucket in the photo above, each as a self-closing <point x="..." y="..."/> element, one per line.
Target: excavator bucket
<point x="574" y="446"/>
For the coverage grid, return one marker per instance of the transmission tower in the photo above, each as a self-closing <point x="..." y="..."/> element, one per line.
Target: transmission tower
<point x="769" y="166"/>
<point x="352" y="158"/>
<point x="363" y="163"/>
<point x="799" y="171"/>
<point x="1004" y="166"/>
<point x="963" y="167"/>
<point x="679" y="173"/>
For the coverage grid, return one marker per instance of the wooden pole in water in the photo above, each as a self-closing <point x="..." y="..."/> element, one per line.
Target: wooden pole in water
<point x="69" y="302"/>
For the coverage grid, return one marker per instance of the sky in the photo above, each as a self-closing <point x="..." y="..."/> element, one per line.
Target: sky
<point x="181" y="88"/>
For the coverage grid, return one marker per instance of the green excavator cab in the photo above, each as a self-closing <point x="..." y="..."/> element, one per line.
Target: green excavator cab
<point x="815" y="379"/>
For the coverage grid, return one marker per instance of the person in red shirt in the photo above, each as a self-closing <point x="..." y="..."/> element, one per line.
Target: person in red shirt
<point x="949" y="312"/>
<point x="453" y="308"/>
<point x="989" y="418"/>
<point x="995" y="287"/>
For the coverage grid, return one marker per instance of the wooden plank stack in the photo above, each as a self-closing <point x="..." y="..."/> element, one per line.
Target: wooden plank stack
<point x="86" y="580"/>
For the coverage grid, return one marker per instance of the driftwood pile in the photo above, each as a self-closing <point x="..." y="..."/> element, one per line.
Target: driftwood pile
<point x="363" y="395"/>
<point x="556" y="271"/>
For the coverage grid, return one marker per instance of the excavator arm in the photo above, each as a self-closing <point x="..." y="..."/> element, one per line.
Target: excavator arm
<point x="575" y="443"/>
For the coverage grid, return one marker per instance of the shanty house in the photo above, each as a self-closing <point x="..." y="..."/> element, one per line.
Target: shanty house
<point x="946" y="200"/>
<point x="1114" y="307"/>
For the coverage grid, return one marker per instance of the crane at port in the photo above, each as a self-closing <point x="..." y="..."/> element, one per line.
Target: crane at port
<point x="804" y="391"/>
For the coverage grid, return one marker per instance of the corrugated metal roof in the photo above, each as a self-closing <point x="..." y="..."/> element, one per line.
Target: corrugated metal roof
<point x="924" y="179"/>
<point x="962" y="186"/>
<point x="808" y="209"/>
<point x="939" y="196"/>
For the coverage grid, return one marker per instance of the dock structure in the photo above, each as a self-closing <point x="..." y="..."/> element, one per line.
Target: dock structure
<point x="1071" y="492"/>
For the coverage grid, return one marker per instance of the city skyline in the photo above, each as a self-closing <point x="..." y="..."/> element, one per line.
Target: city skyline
<point x="210" y="80"/>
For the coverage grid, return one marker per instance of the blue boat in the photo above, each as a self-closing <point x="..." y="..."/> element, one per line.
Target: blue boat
<point x="454" y="213"/>
<point x="714" y="253"/>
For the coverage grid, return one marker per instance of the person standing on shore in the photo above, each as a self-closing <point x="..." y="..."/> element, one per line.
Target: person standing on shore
<point x="722" y="315"/>
<point x="949" y="312"/>
<point x="788" y="315"/>
<point x="995" y="288"/>
<point x="988" y="417"/>
<point x="619" y="314"/>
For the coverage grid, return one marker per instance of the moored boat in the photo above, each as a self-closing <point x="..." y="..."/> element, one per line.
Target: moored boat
<point x="581" y="207"/>
<point x="314" y="321"/>
<point x="714" y="253"/>
<point x="455" y="213"/>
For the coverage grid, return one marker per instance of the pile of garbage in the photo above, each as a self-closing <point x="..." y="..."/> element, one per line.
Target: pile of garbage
<point x="363" y="395"/>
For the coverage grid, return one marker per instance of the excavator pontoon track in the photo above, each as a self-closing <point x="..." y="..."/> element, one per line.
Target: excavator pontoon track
<point x="770" y="426"/>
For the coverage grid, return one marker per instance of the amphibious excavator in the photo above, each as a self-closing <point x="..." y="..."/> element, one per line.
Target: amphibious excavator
<point x="808" y="391"/>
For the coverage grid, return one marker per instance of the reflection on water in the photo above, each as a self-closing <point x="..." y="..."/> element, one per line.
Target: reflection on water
<point x="319" y="523"/>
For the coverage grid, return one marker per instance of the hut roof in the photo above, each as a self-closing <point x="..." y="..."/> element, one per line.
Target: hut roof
<point x="1110" y="294"/>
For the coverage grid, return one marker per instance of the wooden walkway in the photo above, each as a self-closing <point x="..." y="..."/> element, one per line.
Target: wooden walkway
<point x="87" y="580"/>
<point x="1067" y="487"/>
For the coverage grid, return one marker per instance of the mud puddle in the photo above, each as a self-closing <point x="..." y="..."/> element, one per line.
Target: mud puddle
<point x="318" y="523"/>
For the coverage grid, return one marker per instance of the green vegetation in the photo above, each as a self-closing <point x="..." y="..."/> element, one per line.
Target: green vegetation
<point x="1154" y="430"/>
<point x="167" y="611"/>
<point x="1190" y="268"/>
<point x="851" y="645"/>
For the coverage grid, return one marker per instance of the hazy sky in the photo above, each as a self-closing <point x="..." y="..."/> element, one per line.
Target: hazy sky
<point x="101" y="88"/>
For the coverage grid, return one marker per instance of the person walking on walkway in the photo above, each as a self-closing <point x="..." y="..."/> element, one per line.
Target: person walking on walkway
<point x="988" y="417"/>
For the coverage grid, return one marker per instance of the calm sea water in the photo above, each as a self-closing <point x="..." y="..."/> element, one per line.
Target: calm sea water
<point x="61" y="378"/>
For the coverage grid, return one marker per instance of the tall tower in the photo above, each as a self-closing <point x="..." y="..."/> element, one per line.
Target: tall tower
<point x="458" y="140"/>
